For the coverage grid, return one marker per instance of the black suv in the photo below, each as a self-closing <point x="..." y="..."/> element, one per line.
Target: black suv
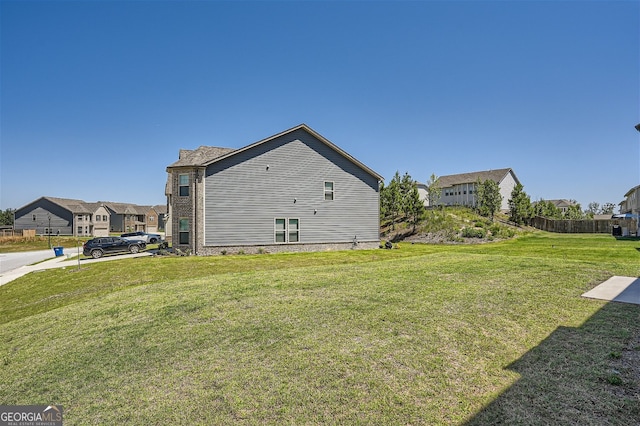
<point x="106" y="245"/>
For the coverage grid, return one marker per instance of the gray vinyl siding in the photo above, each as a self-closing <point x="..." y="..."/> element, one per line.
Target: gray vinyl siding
<point x="284" y="178"/>
<point x="61" y="219"/>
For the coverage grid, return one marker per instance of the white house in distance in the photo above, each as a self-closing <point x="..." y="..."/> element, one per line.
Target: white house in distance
<point x="460" y="189"/>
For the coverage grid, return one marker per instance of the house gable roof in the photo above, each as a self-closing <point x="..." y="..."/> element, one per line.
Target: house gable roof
<point x="495" y="175"/>
<point x="74" y="206"/>
<point x="200" y="156"/>
<point x="216" y="154"/>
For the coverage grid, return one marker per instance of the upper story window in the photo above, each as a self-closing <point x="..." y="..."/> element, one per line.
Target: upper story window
<point x="328" y="191"/>
<point x="33" y="217"/>
<point x="183" y="183"/>
<point x="97" y="218"/>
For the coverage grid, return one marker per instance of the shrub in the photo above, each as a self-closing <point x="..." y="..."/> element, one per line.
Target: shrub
<point x="473" y="232"/>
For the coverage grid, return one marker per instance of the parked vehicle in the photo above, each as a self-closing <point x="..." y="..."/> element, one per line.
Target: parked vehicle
<point x="144" y="236"/>
<point x="98" y="247"/>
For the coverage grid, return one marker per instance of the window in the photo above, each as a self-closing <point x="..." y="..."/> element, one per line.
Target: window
<point x="281" y="230"/>
<point x="328" y="191"/>
<point x="294" y="230"/>
<point x="287" y="230"/>
<point x="79" y="230"/>
<point x="98" y="218"/>
<point x="33" y="217"/>
<point x="183" y="230"/>
<point x="104" y="218"/>
<point x="183" y="182"/>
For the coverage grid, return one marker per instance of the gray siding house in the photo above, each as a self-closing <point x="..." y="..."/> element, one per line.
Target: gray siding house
<point x="294" y="191"/>
<point x="52" y="216"/>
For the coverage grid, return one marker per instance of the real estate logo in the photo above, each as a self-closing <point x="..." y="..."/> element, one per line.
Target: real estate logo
<point x="30" y="415"/>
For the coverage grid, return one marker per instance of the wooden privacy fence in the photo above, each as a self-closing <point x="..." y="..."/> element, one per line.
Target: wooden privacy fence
<point x="18" y="233"/>
<point x="587" y="226"/>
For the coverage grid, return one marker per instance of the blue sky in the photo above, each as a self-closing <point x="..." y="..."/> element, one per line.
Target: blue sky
<point x="99" y="96"/>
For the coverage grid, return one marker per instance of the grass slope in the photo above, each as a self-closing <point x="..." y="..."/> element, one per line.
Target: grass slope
<point x="484" y="334"/>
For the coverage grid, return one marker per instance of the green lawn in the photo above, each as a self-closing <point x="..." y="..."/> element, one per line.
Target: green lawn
<point x="425" y="334"/>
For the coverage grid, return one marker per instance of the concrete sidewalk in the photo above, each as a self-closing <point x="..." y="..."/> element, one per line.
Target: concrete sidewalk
<point x="68" y="261"/>
<point x="617" y="289"/>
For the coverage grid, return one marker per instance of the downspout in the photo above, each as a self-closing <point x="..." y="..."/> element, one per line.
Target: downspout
<point x="195" y="213"/>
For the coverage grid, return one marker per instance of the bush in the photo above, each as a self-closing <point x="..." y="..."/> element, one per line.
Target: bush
<point x="494" y="229"/>
<point x="473" y="232"/>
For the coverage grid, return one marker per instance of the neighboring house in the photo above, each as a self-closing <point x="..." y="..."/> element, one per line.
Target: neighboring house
<point x="161" y="211"/>
<point x="294" y="191"/>
<point x="101" y="219"/>
<point x="64" y="216"/>
<point x="152" y="220"/>
<point x="631" y="204"/>
<point x="460" y="189"/>
<point x="155" y="218"/>
<point x="562" y="205"/>
<point x="127" y="217"/>
<point x="56" y="216"/>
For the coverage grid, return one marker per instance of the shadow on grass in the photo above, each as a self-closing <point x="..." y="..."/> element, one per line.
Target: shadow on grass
<point x="587" y="375"/>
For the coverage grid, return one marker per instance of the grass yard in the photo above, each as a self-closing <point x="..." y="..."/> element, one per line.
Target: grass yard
<point x="18" y="244"/>
<point x="425" y="334"/>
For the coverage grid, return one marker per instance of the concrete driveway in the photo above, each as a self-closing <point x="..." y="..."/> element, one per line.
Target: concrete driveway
<point x="23" y="262"/>
<point x="617" y="289"/>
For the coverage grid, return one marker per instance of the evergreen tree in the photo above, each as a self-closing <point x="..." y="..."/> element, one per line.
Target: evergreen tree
<point x="574" y="212"/>
<point x="434" y="191"/>
<point x="414" y="207"/>
<point x="391" y="201"/>
<point x="520" y="210"/>
<point x="547" y="209"/>
<point x="488" y="198"/>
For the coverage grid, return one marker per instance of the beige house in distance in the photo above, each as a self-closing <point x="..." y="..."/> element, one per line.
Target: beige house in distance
<point x="460" y="189"/>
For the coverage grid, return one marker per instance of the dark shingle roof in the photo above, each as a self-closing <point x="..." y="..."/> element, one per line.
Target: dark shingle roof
<point x="495" y="175"/>
<point x="200" y="156"/>
<point x="74" y="206"/>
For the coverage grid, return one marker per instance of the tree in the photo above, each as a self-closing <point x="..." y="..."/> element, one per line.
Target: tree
<point x="547" y="209"/>
<point x="6" y="217"/>
<point x="406" y="185"/>
<point x="607" y="208"/>
<point x="401" y="199"/>
<point x="574" y="212"/>
<point x="391" y="201"/>
<point x="592" y="209"/>
<point x="520" y="210"/>
<point x="414" y="206"/>
<point x="488" y="198"/>
<point x="434" y="191"/>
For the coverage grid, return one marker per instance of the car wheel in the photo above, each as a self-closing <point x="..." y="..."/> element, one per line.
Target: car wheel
<point x="96" y="254"/>
<point x="134" y="249"/>
<point x="153" y="240"/>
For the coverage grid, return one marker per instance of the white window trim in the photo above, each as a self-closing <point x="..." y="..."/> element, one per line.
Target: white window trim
<point x="187" y="185"/>
<point x="286" y="230"/>
<point x="332" y="191"/>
